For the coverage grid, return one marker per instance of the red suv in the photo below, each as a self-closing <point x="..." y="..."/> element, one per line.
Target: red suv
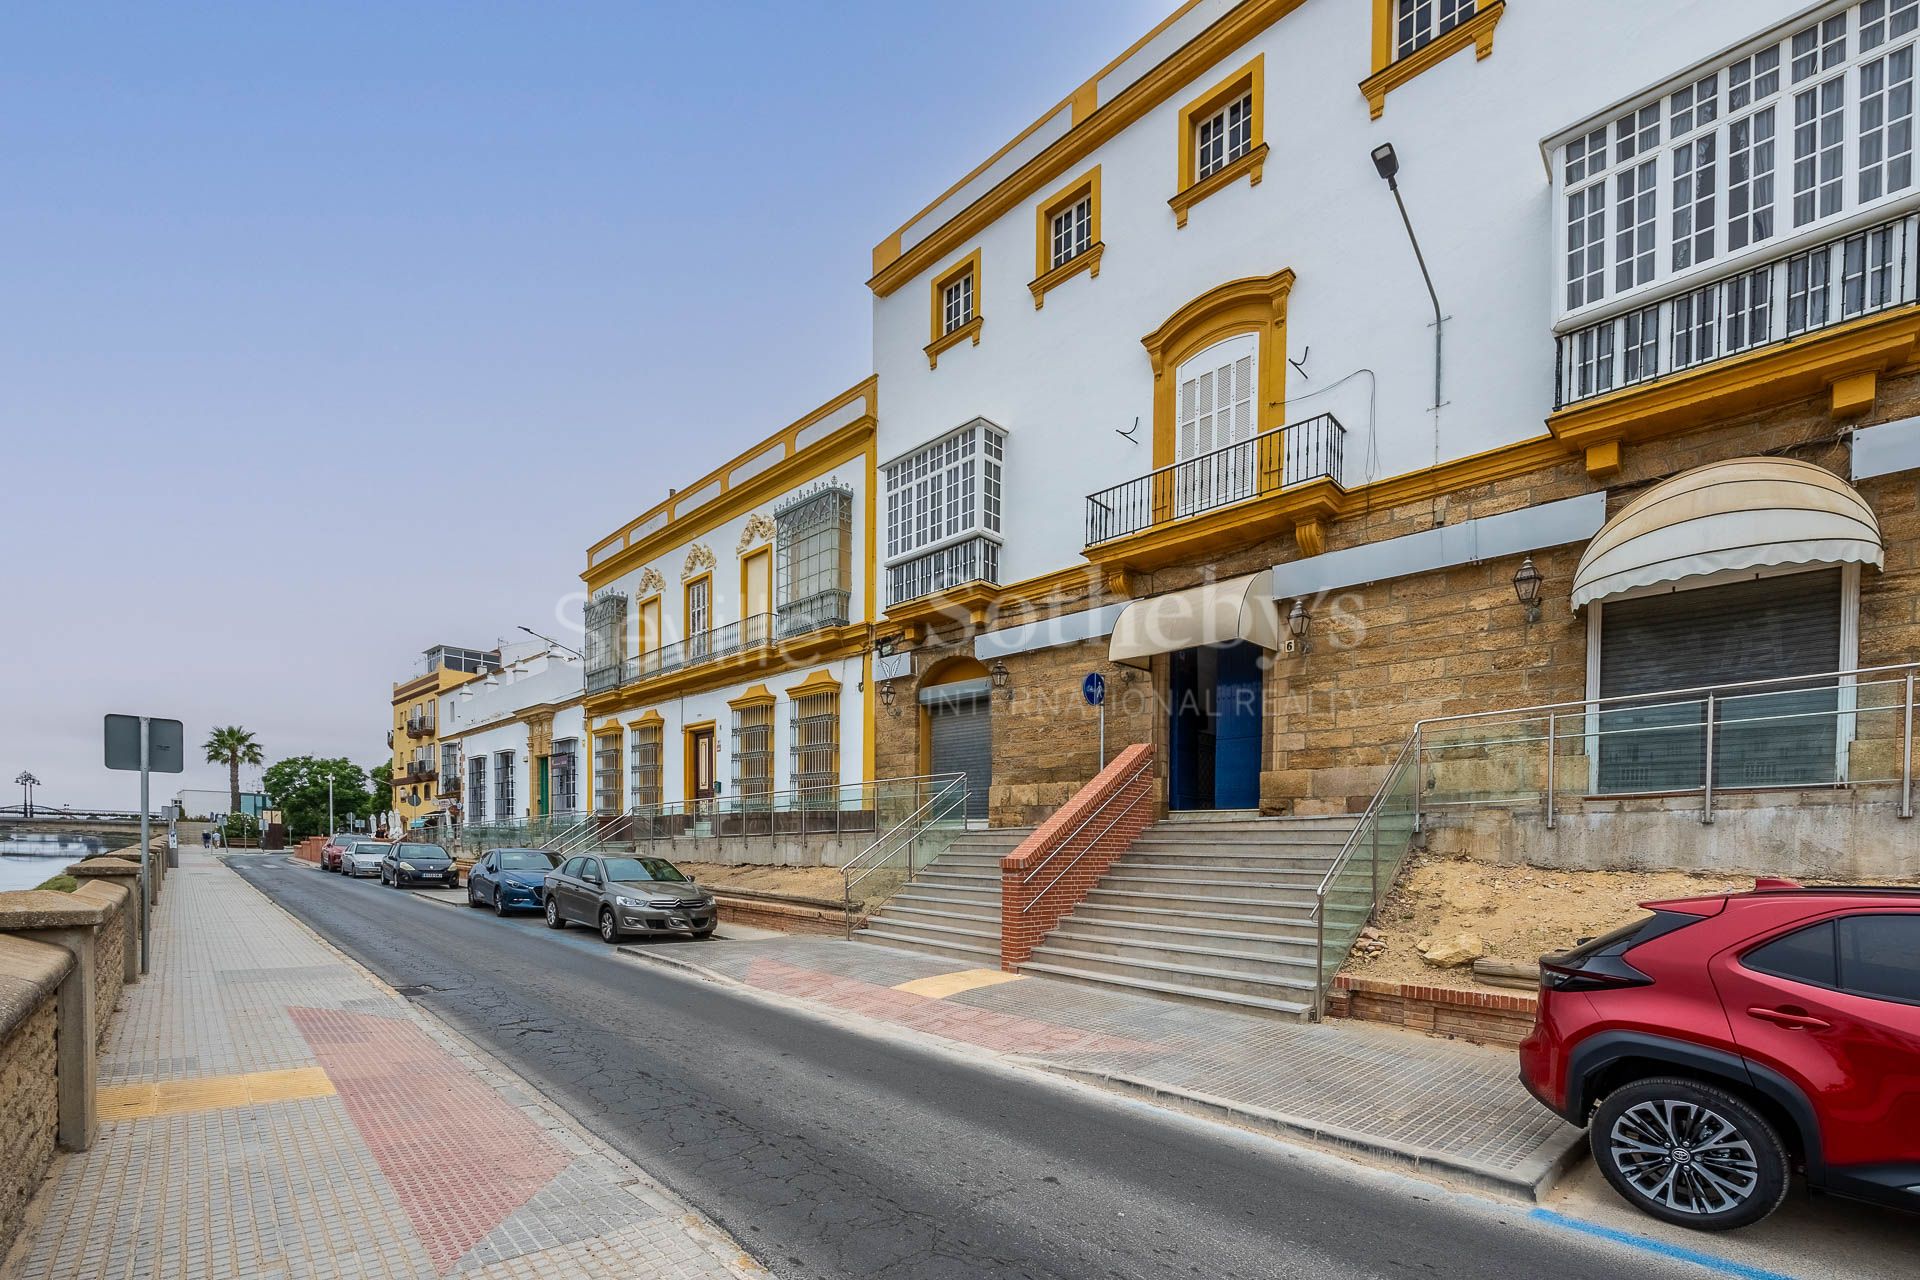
<point x="1716" y="1043"/>
<point x="332" y="852"/>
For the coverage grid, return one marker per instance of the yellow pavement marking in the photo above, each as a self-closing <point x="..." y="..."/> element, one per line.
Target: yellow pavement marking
<point x="212" y="1093"/>
<point x="942" y="985"/>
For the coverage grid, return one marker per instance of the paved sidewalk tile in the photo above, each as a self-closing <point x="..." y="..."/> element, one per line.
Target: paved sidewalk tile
<point x="270" y="1110"/>
<point x="1436" y="1102"/>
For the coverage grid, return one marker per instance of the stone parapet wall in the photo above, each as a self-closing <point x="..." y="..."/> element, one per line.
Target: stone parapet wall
<point x="1481" y="1017"/>
<point x="30" y="974"/>
<point x="109" y="949"/>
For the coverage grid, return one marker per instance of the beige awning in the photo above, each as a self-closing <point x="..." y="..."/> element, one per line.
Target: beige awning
<point x="1218" y="612"/>
<point x="1749" y="513"/>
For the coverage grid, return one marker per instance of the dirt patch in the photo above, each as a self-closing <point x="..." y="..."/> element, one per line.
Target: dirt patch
<point x="1520" y="913"/>
<point x="807" y="882"/>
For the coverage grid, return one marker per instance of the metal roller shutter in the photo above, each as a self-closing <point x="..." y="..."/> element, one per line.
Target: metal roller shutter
<point x="962" y="740"/>
<point x="1762" y="629"/>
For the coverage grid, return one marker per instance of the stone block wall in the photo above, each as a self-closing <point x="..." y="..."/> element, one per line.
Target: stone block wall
<point x="109" y="953"/>
<point x="29" y="1079"/>
<point x="1056" y="866"/>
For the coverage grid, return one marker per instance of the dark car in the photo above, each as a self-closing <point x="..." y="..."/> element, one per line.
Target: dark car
<point x="510" y="879"/>
<point x="407" y="863"/>
<point x="1720" y="1042"/>
<point x="621" y="895"/>
<point x="332" y="852"/>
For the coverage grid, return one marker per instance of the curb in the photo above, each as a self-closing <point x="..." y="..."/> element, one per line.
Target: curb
<point x="685" y="966"/>
<point x="1529" y="1184"/>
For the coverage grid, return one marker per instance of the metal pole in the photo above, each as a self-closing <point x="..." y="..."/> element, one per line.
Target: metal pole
<point x="1320" y="957"/>
<point x="1421" y="258"/>
<point x="1419" y="783"/>
<point x="330" y="826"/>
<point x="1551" y="739"/>
<point x="1373" y="864"/>
<point x="1706" y="810"/>
<point x="146" y="855"/>
<point x="1103" y="735"/>
<point x="1906" y="754"/>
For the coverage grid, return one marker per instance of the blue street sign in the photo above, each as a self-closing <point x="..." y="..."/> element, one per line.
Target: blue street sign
<point x="1094" y="687"/>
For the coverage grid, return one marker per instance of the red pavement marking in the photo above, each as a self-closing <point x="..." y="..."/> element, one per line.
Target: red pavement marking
<point x="459" y="1157"/>
<point x="968" y="1023"/>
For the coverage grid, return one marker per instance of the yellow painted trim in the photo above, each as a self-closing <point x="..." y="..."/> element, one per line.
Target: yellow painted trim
<point x="942" y="985"/>
<point x="598" y="738"/>
<point x="1190" y="190"/>
<point x="1088" y="262"/>
<point x="758" y="696"/>
<point x="1758" y="379"/>
<point x="871" y="499"/>
<point x="687" y="734"/>
<point x="895" y="264"/>
<point x="826" y="645"/>
<point x="939" y="337"/>
<point x="1046" y="275"/>
<point x="622" y="549"/>
<point x="649" y="717"/>
<point x="1256" y="305"/>
<point x="971" y="329"/>
<point x="972" y="600"/>
<point x="821" y="681"/>
<point x="762" y="553"/>
<point x="211" y="1093"/>
<point x="686" y="604"/>
<point x="1390" y="73"/>
<point x="868" y="725"/>
<point x="1250" y="166"/>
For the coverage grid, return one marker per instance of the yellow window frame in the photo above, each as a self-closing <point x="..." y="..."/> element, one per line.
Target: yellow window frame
<point x="1248" y="81"/>
<point x="941" y="340"/>
<point x="1045" y="274"/>
<point x="1391" y="72"/>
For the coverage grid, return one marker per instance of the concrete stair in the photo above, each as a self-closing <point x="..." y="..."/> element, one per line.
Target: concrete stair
<point x="952" y="908"/>
<point x="1213" y="911"/>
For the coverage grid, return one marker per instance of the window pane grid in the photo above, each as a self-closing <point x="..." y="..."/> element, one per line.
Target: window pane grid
<point x="606" y="773"/>
<point x="643" y="768"/>
<point x="753" y="751"/>
<point x="1072" y="231"/>
<point x="816" y="747"/>
<point x="1418" y="22"/>
<point x="1223" y="137"/>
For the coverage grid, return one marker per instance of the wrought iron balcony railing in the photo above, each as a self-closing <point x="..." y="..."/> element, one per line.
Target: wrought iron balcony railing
<point x="821" y="609"/>
<point x="420" y="727"/>
<point x="755" y="632"/>
<point x="1746" y="306"/>
<point x="974" y="559"/>
<point x="1312" y="449"/>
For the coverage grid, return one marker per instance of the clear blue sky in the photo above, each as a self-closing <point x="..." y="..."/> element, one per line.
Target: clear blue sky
<point x="334" y="330"/>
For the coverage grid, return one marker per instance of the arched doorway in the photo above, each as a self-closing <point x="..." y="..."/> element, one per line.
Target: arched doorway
<point x="956" y="726"/>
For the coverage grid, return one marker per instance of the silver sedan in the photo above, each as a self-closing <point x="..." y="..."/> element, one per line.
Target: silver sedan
<point x="622" y="895"/>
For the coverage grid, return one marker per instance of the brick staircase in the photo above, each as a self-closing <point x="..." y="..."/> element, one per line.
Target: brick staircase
<point x="952" y="908"/>
<point x="1217" y="910"/>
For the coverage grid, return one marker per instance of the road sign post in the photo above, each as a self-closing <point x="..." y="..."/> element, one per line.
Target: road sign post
<point x="146" y="744"/>
<point x="1094" y="690"/>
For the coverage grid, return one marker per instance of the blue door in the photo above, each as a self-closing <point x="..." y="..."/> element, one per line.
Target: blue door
<point x="1213" y="739"/>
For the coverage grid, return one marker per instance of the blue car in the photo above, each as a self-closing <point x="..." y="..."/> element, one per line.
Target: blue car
<point x="509" y="879"/>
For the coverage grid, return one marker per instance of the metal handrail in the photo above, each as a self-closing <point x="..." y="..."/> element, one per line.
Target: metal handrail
<point x="1669" y="695"/>
<point x="1133" y="776"/>
<point x="1369" y="820"/>
<point x="951" y="780"/>
<point x="589" y="831"/>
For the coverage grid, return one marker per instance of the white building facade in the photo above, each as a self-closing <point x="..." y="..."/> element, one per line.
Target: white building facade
<point x="1174" y="341"/>
<point x="512" y="744"/>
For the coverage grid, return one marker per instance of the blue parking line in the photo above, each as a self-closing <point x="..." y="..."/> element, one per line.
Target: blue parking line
<point x="1724" y="1266"/>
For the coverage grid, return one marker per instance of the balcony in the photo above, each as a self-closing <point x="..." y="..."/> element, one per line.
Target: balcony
<point x="1252" y="474"/>
<point x="1746" y="307"/>
<point x="420" y="726"/>
<point x="420" y="771"/>
<point x="821" y="609"/>
<point x="972" y="559"/>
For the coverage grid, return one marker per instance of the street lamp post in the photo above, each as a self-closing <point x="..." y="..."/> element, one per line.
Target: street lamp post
<point x="26" y="782"/>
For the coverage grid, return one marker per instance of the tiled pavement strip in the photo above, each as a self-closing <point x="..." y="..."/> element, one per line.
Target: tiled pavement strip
<point x="1452" y="1108"/>
<point x="270" y="1110"/>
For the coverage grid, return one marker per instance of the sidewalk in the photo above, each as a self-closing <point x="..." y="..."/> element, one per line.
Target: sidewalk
<point x="1448" y="1107"/>
<point x="269" y="1109"/>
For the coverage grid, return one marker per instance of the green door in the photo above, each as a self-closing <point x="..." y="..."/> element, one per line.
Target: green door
<point x="545" y="765"/>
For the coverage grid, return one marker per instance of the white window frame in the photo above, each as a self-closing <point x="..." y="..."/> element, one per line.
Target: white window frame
<point x="944" y="492"/>
<point x="1223" y="136"/>
<point x="1071" y="231"/>
<point x="1730" y="79"/>
<point x="956" y="302"/>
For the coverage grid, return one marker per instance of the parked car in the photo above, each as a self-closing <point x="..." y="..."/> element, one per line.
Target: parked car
<point x="510" y="879"/>
<point x="619" y="895"/>
<point x="408" y="863"/>
<point x="363" y="858"/>
<point x="335" y="848"/>
<point x="1722" y="1040"/>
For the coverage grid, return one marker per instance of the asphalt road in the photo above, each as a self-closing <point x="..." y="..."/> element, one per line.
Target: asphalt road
<point x="833" y="1153"/>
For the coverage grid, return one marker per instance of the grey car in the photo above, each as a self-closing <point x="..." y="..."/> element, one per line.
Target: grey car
<point x="620" y="895"/>
<point x="363" y="858"/>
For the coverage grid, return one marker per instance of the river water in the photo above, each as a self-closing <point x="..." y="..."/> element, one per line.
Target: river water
<point x="26" y="860"/>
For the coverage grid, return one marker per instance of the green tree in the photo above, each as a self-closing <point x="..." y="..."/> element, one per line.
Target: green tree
<point x="380" y="782"/>
<point x="233" y="747"/>
<point x="298" y="786"/>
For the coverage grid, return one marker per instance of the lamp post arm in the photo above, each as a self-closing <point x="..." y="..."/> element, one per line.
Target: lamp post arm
<point x="1393" y="185"/>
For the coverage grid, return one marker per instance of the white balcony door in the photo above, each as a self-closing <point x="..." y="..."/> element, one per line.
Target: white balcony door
<point x="1213" y="448"/>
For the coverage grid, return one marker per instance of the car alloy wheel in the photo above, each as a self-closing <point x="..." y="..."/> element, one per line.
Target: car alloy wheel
<point x="609" y="928"/>
<point x="1690" y="1154"/>
<point x="499" y="902"/>
<point x="473" y="895"/>
<point x="553" y="915"/>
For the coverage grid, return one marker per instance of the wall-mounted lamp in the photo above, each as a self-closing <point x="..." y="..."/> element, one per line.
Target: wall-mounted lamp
<point x="1299" y="623"/>
<point x="1526" y="586"/>
<point x="887" y="696"/>
<point x="1002" y="678"/>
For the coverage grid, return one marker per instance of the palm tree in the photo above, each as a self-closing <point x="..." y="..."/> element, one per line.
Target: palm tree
<point x="233" y="747"/>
